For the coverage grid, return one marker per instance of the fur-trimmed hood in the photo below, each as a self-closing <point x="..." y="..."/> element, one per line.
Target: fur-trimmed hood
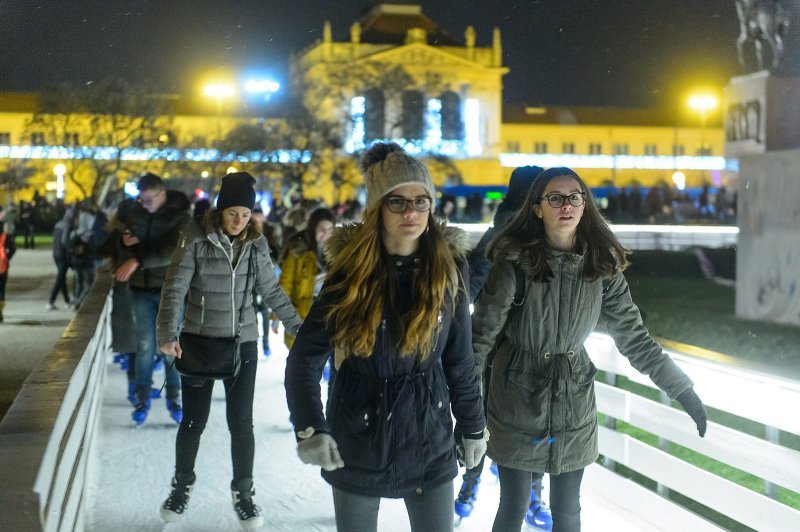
<point x="509" y="249"/>
<point x="457" y="240"/>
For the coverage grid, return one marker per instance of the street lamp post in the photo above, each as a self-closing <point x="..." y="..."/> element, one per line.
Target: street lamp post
<point x="59" y="170"/>
<point x="219" y="91"/>
<point x="703" y="104"/>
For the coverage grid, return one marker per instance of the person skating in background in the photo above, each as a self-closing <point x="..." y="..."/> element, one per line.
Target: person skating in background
<point x="394" y="314"/>
<point x="61" y="233"/>
<point x="213" y="272"/>
<point x="155" y="225"/>
<point x="303" y="268"/>
<point x="538" y="515"/>
<point x="124" y="341"/>
<point x="7" y="250"/>
<point x="540" y="400"/>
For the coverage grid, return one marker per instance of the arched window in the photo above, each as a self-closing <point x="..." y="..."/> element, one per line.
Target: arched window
<point x="413" y="115"/>
<point x="374" y="116"/>
<point x="452" y="123"/>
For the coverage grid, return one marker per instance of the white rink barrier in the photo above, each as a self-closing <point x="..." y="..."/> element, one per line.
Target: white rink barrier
<point x="652" y="237"/>
<point x="47" y="436"/>
<point x="734" y="388"/>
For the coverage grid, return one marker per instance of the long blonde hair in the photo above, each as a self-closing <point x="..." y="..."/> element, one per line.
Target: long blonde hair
<point x="367" y="284"/>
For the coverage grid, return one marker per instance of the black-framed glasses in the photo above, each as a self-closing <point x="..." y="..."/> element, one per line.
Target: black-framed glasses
<point x="556" y="200"/>
<point x="398" y="204"/>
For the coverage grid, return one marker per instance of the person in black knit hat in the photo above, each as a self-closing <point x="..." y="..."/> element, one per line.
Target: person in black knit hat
<point x="538" y="515"/>
<point x="215" y="269"/>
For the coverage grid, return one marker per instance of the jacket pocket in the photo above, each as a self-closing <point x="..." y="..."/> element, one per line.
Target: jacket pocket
<point x="519" y="397"/>
<point x="582" y="398"/>
<point x="356" y="425"/>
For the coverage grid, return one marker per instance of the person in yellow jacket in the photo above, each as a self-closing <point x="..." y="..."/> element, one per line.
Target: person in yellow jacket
<point x="303" y="268"/>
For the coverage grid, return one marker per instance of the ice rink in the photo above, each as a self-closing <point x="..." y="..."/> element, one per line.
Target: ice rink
<point x="133" y="468"/>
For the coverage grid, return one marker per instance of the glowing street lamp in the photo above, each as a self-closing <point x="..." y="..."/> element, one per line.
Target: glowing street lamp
<point x="266" y="87"/>
<point x="219" y="91"/>
<point x="703" y="104"/>
<point x="59" y="170"/>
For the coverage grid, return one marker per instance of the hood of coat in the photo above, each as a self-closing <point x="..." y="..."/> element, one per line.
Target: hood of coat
<point x="457" y="240"/>
<point x="509" y="249"/>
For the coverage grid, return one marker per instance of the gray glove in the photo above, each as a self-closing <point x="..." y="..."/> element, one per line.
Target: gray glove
<point x="694" y="407"/>
<point x="472" y="449"/>
<point x="321" y="450"/>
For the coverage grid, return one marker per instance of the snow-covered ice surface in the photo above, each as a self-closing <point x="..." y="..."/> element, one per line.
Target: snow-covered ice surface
<point x="133" y="467"/>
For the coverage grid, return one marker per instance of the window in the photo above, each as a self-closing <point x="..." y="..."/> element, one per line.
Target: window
<point x="650" y="149"/>
<point x="70" y="139"/>
<point x="677" y="150"/>
<point x="452" y="123"/>
<point x="705" y="151"/>
<point x="37" y="139"/>
<point x="5" y="138"/>
<point x="539" y="147"/>
<point x="595" y="148"/>
<point x="413" y="115"/>
<point x="374" y="114"/>
<point x="568" y="147"/>
<point x="620" y="149"/>
<point x="512" y="146"/>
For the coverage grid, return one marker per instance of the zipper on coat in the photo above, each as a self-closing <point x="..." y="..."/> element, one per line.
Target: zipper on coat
<point x="202" y="311"/>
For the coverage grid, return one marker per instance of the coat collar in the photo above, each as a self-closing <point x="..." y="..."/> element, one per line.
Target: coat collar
<point x="457" y="240"/>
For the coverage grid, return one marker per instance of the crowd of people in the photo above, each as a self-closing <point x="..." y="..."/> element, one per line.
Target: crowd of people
<point x="380" y="297"/>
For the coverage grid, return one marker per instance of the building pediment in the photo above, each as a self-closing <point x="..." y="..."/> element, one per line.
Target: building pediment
<point x="420" y="54"/>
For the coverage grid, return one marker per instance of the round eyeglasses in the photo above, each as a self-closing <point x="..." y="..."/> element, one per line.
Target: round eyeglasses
<point x="399" y="204"/>
<point x="556" y="200"/>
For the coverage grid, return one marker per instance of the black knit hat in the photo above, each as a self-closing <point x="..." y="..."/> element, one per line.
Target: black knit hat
<point x="521" y="181"/>
<point x="237" y="191"/>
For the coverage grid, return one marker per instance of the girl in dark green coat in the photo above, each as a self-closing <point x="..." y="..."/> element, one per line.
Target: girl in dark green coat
<point x="541" y="409"/>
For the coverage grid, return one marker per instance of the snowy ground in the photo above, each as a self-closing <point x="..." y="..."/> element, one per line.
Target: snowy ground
<point x="134" y="466"/>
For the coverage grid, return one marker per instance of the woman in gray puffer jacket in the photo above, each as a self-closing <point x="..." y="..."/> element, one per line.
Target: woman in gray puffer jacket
<point x="541" y="408"/>
<point x="215" y="269"/>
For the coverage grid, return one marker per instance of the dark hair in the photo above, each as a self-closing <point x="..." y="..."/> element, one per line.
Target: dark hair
<point x="317" y="215"/>
<point x="148" y="181"/>
<point x="603" y="253"/>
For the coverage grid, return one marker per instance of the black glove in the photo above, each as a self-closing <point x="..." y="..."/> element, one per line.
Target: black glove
<point x="694" y="407"/>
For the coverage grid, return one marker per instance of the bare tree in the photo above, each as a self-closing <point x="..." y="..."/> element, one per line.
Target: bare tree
<point x="99" y="124"/>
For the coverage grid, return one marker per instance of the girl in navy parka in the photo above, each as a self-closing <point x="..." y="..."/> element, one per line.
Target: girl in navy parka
<point x="394" y="313"/>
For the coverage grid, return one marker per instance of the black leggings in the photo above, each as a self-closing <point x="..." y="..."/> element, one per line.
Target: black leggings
<point x="239" y="412"/>
<point x="3" y="279"/>
<point x="515" y="493"/>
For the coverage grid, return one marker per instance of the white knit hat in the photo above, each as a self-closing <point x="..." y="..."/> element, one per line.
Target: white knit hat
<point x="388" y="167"/>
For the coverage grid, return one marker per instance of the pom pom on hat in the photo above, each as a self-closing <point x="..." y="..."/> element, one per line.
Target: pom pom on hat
<point x="388" y="167"/>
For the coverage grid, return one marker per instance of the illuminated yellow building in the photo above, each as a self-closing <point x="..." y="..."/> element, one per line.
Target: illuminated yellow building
<point x="397" y="75"/>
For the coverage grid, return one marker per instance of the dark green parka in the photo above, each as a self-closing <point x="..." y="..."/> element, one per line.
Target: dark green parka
<point x="541" y="410"/>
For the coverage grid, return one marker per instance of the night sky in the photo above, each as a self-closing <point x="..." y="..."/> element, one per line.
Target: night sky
<point x="614" y="52"/>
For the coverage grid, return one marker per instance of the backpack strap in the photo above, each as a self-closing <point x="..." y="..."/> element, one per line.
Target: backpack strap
<point x="519" y="293"/>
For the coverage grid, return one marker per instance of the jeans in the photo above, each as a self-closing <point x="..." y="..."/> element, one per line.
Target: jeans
<point x="60" y="284"/>
<point x="145" y="309"/>
<point x="429" y="512"/>
<point x="84" y="279"/>
<point x="239" y="392"/>
<point x="515" y="491"/>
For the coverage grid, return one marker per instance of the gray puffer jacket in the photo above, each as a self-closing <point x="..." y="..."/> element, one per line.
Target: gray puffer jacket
<point x="541" y="408"/>
<point x="203" y="269"/>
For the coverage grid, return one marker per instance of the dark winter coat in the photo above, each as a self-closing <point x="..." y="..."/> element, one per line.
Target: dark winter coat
<point x="158" y="235"/>
<point x="390" y="415"/>
<point x="479" y="265"/>
<point x="204" y="275"/>
<point x="541" y="407"/>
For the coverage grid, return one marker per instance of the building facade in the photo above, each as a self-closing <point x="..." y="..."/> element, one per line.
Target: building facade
<point x="396" y="76"/>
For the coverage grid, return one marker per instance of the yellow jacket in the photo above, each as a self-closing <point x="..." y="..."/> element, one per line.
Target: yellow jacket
<point x="298" y="273"/>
